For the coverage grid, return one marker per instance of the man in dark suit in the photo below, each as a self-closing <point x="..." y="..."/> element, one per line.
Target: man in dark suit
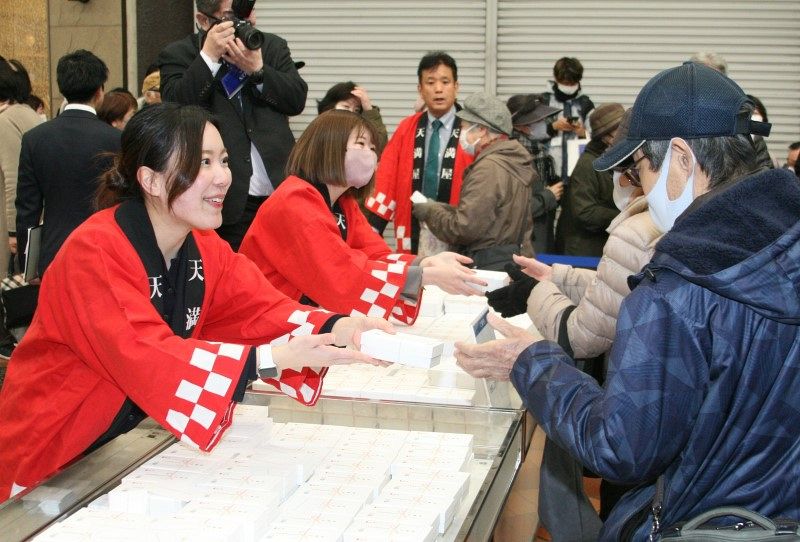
<point x="61" y="159"/>
<point x="251" y="92"/>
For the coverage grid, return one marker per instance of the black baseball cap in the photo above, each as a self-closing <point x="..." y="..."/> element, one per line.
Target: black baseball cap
<point x="529" y="108"/>
<point x="690" y="101"/>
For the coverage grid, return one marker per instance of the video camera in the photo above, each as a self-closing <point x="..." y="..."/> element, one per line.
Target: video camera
<point x="249" y="34"/>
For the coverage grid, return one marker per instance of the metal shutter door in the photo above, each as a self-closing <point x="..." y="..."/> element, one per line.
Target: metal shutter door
<point x="622" y="43"/>
<point x="378" y="45"/>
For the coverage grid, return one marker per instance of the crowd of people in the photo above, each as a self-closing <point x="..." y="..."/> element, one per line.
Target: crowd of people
<point x="192" y="246"/>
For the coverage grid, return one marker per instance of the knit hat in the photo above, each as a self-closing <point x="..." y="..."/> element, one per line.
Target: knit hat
<point x="152" y="82"/>
<point x="691" y="101"/>
<point x="484" y="109"/>
<point x="605" y="119"/>
<point x="529" y="108"/>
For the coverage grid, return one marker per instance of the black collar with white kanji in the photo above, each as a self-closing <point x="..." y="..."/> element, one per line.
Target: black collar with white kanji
<point x="177" y="294"/>
<point x="336" y="208"/>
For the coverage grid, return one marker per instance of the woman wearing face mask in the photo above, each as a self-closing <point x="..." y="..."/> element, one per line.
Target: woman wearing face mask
<point x="312" y="242"/>
<point x="585" y="327"/>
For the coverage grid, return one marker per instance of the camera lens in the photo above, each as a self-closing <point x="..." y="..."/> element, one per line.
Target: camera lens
<point x="250" y="35"/>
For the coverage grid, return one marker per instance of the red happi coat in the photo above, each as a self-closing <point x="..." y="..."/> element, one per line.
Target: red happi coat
<point x="296" y="242"/>
<point x="393" y="180"/>
<point x="97" y="339"/>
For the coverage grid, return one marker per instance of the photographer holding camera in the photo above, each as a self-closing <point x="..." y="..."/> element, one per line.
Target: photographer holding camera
<point x="248" y="80"/>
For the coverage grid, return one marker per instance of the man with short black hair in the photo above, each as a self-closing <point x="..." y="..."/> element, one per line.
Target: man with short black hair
<point x="423" y="154"/>
<point x="565" y="93"/>
<point x="251" y="92"/>
<point x="62" y="159"/>
<point x="703" y="375"/>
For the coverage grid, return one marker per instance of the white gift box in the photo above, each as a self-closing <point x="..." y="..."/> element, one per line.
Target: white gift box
<point x="402" y="348"/>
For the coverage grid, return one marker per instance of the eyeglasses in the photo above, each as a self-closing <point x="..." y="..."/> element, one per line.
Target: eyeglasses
<point x="632" y="172"/>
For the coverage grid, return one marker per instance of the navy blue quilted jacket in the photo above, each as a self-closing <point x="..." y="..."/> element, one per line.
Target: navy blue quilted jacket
<point x="704" y="376"/>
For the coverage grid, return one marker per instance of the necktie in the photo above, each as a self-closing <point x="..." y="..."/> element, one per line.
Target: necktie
<point x="430" y="180"/>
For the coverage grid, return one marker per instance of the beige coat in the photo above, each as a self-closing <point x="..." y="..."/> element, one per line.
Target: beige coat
<point x="14" y="121"/>
<point x="597" y="294"/>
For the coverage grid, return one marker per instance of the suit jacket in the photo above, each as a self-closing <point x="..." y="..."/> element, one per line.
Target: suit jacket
<point x="60" y="163"/>
<point x="261" y="118"/>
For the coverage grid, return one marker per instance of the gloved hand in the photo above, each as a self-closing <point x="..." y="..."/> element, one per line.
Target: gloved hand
<point x="421" y="210"/>
<point x="514" y="271"/>
<point x="512" y="300"/>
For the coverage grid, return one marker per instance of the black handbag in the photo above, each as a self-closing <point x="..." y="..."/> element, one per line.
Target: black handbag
<point x="19" y="301"/>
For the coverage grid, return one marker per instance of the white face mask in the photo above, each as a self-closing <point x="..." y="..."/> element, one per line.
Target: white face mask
<point x="538" y="131"/>
<point x="359" y="166"/>
<point x="622" y="194"/>
<point x="664" y="211"/>
<point x="469" y="148"/>
<point x="568" y="89"/>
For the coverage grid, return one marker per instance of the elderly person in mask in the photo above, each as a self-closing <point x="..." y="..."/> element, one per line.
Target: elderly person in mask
<point x="703" y="374"/>
<point x="530" y="115"/>
<point x="578" y="309"/>
<point x="492" y="220"/>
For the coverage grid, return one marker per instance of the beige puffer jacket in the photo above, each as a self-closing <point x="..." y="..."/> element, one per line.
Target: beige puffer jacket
<point x="597" y="294"/>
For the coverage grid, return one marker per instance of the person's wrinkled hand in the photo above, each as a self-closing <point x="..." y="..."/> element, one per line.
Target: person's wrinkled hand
<point x="495" y="359"/>
<point x="247" y="60"/>
<point x="363" y="97"/>
<point x="316" y="351"/>
<point x="579" y="129"/>
<point x="534" y="268"/>
<point x="12" y="244"/>
<point x="557" y="189"/>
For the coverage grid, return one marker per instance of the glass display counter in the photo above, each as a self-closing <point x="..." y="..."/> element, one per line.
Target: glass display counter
<point x="497" y="448"/>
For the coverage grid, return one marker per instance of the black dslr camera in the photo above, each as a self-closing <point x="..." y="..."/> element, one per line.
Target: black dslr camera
<point x="249" y="34"/>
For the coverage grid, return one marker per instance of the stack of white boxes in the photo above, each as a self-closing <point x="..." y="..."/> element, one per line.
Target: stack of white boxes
<point x="402" y="348"/>
<point x="286" y="482"/>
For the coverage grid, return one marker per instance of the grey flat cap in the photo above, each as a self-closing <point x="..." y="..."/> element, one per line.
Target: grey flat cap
<point x="487" y="110"/>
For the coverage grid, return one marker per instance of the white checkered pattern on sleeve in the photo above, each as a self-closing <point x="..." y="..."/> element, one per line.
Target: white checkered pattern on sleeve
<point x="304" y="386"/>
<point x="201" y="404"/>
<point x="382" y="205"/>
<point x="381" y="296"/>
